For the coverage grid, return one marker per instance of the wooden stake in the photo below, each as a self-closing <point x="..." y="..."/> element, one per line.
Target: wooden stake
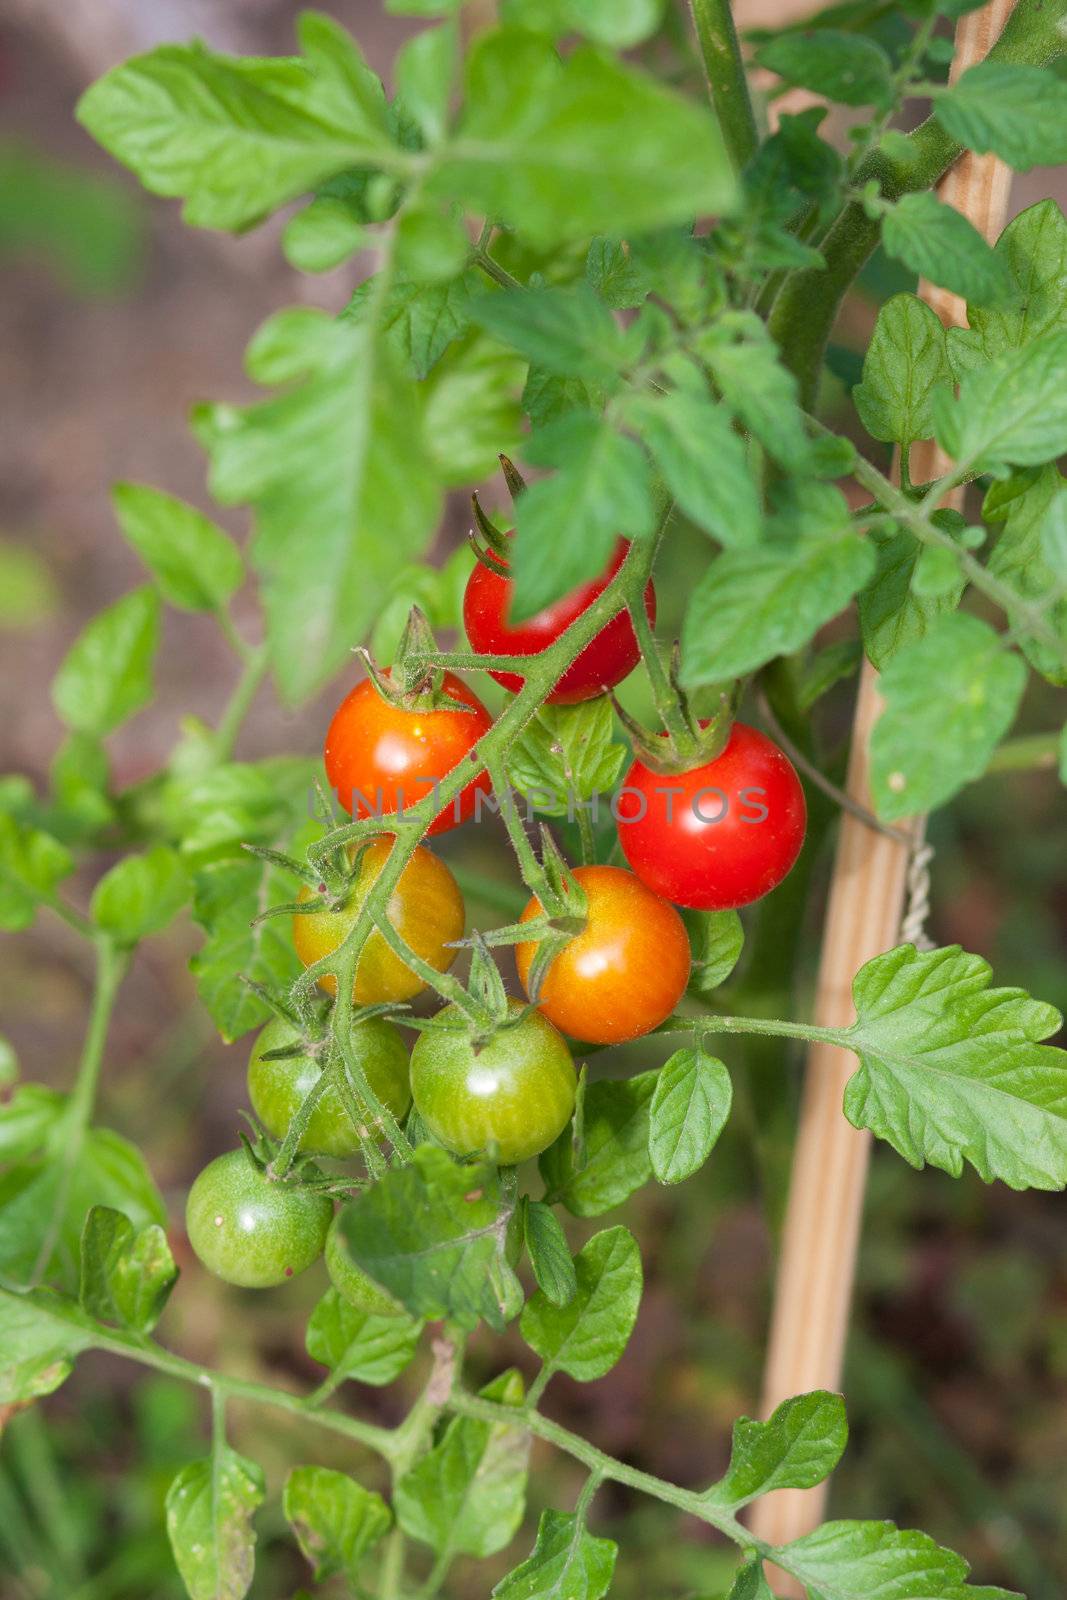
<point x="813" y="1293"/>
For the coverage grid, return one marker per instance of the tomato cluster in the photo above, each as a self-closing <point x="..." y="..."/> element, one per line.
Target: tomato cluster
<point x="718" y="834"/>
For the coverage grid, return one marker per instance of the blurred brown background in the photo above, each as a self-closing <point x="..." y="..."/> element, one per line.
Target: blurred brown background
<point x="114" y="319"/>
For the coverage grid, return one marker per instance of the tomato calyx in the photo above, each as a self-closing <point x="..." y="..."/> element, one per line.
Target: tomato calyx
<point x="414" y="681"/>
<point x="492" y="552"/>
<point x="695" y="743"/>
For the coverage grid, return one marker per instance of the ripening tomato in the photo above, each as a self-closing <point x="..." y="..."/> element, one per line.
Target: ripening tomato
<point x="382" y="759"/>
<point x="514" y="1090"/>
<point x="604" y="662"/>
<point x="352" y="1283"/>
<point x="278" y="1088"/>
<point x="253" y="1230"/>
<point x="720" y="836"/>
<point x="624" y="973"/>
<point x="426" y="908"/>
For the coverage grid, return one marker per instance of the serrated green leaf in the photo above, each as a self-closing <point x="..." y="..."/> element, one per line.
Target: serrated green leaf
<point x="355" y="1344"/>
<point x="602" y="487"/>
<point x="892" y="614"/>
<point x="716" y="939"/>
<point x="140" y="895"/>
<point x="195" y="564"/>
<point x="238" y="137"/>
<point x="1012" y="412"/>
<point x="796" y="1448"/>
<point x="612" y="1159"/>
<point x="106" y="675"/>
<point x="846" y="67"/>
<point x="126" y="1277"/>
<point x="689" y="1111"/>
<point x="939" y="243"/>
<point x="703" y="462"/>
<point x="226" y="898"/>
<point x="567" y="754"/>
<point x="336" y="1520"/>
<point x="753" y="605"/>
<point x="467" y="1495"/>
<point x="339" y="475"/>
<point x="954" y="1071"/>
<point x="567" y="1563"/>
<point x="567" y="331"/>
<point x="1033" y="248"/>
<point x="1020" y="558"/>
<point x="905" y="361"/>
<point x="40" y="1335"/>
<point x="420" y="320"/>
<point x="32" y="863"/>
<point x="1018" y="112"/>
<point x="549" y="1253"/>
<point x="758" y="389"/>
<point x="433" y="1234"/>
<point x="855" y="1560"/>
<point x="564" y="150"/>
<point x="950" y="699"/>
<point x="470" y="412"/>
<point x="587" y="1336"/>
<point x="611" y="270"/>
<point x="210" y="1505"/>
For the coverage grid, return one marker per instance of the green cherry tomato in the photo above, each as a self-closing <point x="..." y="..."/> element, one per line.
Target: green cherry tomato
<point x="514" y="1090"/>
<point x="253" y="1230"/>
<point x="352" y="1283"/>
<point x="277" y="1089"/>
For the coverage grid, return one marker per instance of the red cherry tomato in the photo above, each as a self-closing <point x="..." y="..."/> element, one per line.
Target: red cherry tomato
<point x="604" y="662"/>
<point x="624" y="973"/>
<point x="721" y="835"/>
<point x="381" y="759"/>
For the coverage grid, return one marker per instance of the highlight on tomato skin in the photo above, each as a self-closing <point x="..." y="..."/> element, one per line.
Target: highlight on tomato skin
<point x="721" y="835"/>
<point x="624" y="973"/>
<point x="609" y="658"/>
<point x="382" y="759"/>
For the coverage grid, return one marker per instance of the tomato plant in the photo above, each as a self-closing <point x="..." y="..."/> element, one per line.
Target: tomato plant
<point x="425" y="909"/>
<point x="624" y="973"/>
<point x="609" y="658"/>
<point x="719" y="835"/>
<point x="250" y="1229"/>
<point x="587" y="236"/>
<point x="382" y="758"/>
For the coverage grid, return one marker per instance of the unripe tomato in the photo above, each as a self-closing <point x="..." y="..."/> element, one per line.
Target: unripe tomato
<point x="277" y="1089"/>
<point x="352" y="1283"/>
<point x="381" y="759"/>
<point x="426" y="908"/>
<point x="721" y="835"/>
<point x="624" y="973"/>
<point x="253" y="1230"/>
<point x="604" y="662"/>
<point x="515" y="1090"/>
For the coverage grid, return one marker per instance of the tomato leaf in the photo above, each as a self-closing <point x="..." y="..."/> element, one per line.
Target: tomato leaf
<point x="567" y="1563"/>
<point x="893" y="613"/>
<point x="1033" y="248"/>
<point x="949" y="700"/>
<point x="796" y="1448"/>
<point x="550" y="1255"/>
<point x="953" y="1071"/>
<point x="1021" y="558"/>
<point x="106" y="675"/>
<point x="1011" y="412"/>
<point x="336" y="1521"/>
<point x="228" y="895"/>
<point x="433" y="1234"/>
<point x="1018" y="112"/>
<point x="355" y="1344"/>
<point x="716" y="939"/>
<point x="32" y="863"/>
<point x="586" y="1337"/>
<point x="210" y="1505"/>
<point x="906" y="360"/>
<point x="467" y="1495"/>
<point x="613" y="1158"/>
<point x="140" y="895"/>
<point x="850" y="1560"/>
<point x="567" y="755"/>
<point x="126" y="1277"/>
<point x="40" y="1335"/>
<point x="703" y="462"/>
<point x="689" y="1111"/>
<point x="195" y="564"/>
<point x="844" y="67"/>
<point x="565" y="331"/>
<point x="420" y="320"/>
<point x="941" y="244"/>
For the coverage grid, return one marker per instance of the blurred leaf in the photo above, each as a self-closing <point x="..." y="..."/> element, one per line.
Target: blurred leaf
<point x="567" y="331"/>
<point x="140" y="895"/>
<point x="210" y="1506"/>
<point x="27" y="591"/>
<point x="566" y="1561"/>
<point x="421" y="320"/>
<point x="587" y="1336"/>
<point x="226" y="898"/>
<point x="1020" y="558"/>
<point x="336" y="1520"/>
<point x="845" y="67"/>
<point x="125" y="1276"/>
<point x="796" y="1448"/>
<point x="953" y="1070"/>
<point x="689" y="1111"/>
<point x="470" y="410"/>
<point x="40" y="1334"/>
<point x="85" y="227"/>
<point x="1018" y="112"/>
<point x="196" y="565"/>
<point x="107" y="674"/>
<point x="619" y="23"/>
<point x="32" y="863"/>
<point x="424" y="72"/>
<point x="358" y="1345"/>
<point x="323" y="234"/>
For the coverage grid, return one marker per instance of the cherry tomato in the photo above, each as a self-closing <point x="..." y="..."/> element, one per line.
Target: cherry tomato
<point x="381" y="759"/>
<point x="426" y="908"/>
<point x="352" y="1283"/>
<point x="604" y="662"/>
<point x="721" y="835"/>
<point x="253" y="1230"/>
<point x="277" y="1089"/>
<point x="515" y="1090"/>
<point x="624" y="973"/>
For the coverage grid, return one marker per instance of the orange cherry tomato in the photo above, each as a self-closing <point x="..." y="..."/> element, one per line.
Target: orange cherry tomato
<point x="625" y="972"/>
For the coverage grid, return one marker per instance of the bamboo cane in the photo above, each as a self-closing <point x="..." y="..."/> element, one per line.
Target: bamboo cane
<point x="813" y="1293"/>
